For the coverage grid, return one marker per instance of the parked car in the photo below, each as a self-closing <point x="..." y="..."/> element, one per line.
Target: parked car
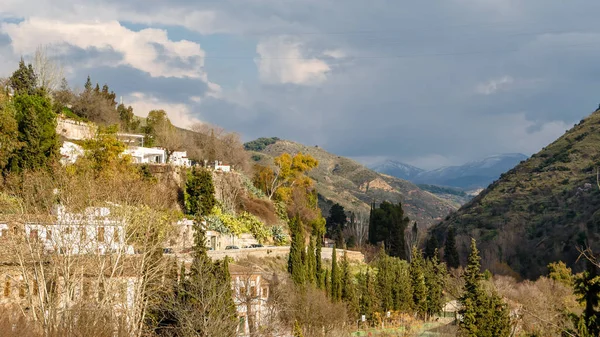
<point x="167" y="250"/>
<point x="232" y="247"/>
<point x="256" y="245"/>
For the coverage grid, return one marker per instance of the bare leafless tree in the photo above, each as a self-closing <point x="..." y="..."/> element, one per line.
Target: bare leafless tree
<point x="49" y="72"/>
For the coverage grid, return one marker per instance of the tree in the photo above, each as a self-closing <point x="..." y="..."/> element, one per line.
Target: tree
<point x="435" y="281"/>
<point x="450" y="252"/>
<point x="559" y="272"/>
<point x="96" y="106"/>
<point x="482" y="315"/>
<point x="9" y="133"/>
<point x="63" y="96"/>
<point x="23" y="80"/>
<point x="296" y="266"/>
<point x="335" y="277"/>
<point x="104" y="151"/>
<point x="128" y="120"/>
<point x="168" y="137"/>
<point x="37" y="133"/>
<point x="348" y="291"/>
<point x="336" y="222"/>
<point x="199" y="192"/>
<point x="431" y="247"/>
<point x="48" y="72"/>
<point x="417" y="277"/>
<point x="311" y="262"/>
<point x="388" y="224"/>
<point x="297" y="330"/>
<point x="288" y="172"/>
<point x="587" y="289"/>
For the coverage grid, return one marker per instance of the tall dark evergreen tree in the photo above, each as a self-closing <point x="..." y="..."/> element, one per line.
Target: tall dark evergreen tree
<point x="482" y="315"/>
<point x="431" y="247"/>
<point x="199" y="192"/>
<point x="319" y="274"/>
<point x="24" y="81"/>
<point x="37" y="133"/>
<point x="348" y="291"/>
<point x="311" y="262"/>
<point x="336" y="222"/>
<point x="335" y="277"/>
<point x="450" y="252"/>
<point x="296" y="266"/>
<point x="435" y="281"/>
<point x="417" y="277"/>
<point x="388" y="224"/>
<point x="587" y="288"/>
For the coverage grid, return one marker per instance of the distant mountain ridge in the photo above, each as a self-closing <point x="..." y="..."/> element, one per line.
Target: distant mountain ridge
<point x="470" y="176"/>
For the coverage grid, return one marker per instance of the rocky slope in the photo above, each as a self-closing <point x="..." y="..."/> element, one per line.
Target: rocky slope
<point x="344" y="181"/>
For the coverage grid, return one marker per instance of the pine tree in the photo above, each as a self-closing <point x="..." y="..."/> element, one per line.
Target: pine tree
<point x="417" y="277"/>
<point x="88" y="84"/>
<point x="450" y="252"/>
<point x="296" y="266"/>
<point x="335" y="277"/>
<point x="199" y="192"/>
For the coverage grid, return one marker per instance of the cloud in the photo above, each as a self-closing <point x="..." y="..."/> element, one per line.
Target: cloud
<point x="282" y="61"/>
<point x="149" y="50"/>
<point x="179" y="114"/>
<point x="493" y="86"/>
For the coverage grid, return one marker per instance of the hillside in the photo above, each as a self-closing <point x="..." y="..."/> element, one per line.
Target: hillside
<point x="344" y="181"/>
<point x="540" y="211"/>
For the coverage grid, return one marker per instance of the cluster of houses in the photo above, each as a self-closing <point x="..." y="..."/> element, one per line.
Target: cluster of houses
<point x="96" y="232"/>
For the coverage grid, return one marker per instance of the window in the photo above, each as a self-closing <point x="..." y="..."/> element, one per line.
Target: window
<point x="253" y="291"/>
<point x="67" y="230"/>
<point x="48" y="234"/>
<point x="100" y="235"/>
<point x="33" y="234"/>
<point x="265" y="292"/>
<point x="35" y="287"/>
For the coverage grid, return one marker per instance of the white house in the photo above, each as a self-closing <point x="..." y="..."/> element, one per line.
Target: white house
<point x="179" y="158"/>
<point x="146" y="155"/>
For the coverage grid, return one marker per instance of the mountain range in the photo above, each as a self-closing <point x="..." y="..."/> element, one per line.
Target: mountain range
<point x="354" y="186"/>
<point x="470" y="176"/>
<point x="544" y="210"/>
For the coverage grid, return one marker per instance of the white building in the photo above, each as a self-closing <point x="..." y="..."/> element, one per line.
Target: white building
<point x="146" y="155"/>
<point x="78" y="233"/>
<point x="179" y="158"/>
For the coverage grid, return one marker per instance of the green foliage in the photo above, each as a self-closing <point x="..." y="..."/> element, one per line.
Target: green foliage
<point x="311" y="262"/>
<point x="482" y="315"/>
<point x="279" y="236"/>
<point x="393" y="284"/>
<point x="199" y="192"/>
<point x="336" y="222"/>
<point x="336" y="291"/>
<point x="9" y="133"/>
<point x="23" y="81"/>
<point x="417" y="281"/>
<point x="128" y="120"/>
<point x="442" y="190"/>
<point x="435" y="281"/>
<point x="260" y="143"/>
<point x="388" y="223"/>
<point x="297" y="330"/>
<point x="587" y="289"/>
<point x="431" y="247"/>
<point x="296" y="266"/>
<point x="105" y="149"/>
<point x="37" y="133"/>
<point x="228" y="223"/>
<point x="348" y="288"/>
<point x="559" y="272"/>
<point x="450" y="252"/>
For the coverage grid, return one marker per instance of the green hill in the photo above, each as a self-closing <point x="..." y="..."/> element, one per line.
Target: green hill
<point x="344" y="181"/>
<point x="540" y="211"/>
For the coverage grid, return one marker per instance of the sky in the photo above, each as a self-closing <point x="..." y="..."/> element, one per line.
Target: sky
<point x="429" y="83"/>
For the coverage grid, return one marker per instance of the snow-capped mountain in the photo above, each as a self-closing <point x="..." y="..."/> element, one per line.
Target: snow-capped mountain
<point x="472" y="175"/>
<point x="398" y="169"/>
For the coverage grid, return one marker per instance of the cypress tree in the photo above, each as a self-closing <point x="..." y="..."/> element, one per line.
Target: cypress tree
<point x="385" y="280"/>
<point x="435" y="281"/>
<point x="417" y="277"/>
<point x="327" y="282"/>
<point x="320" y="277"/>
<point x="431" y="247"/>
<point x="199" y="192"/>
<point x="296" y="266"/>
<point x="311" y="262"/>
<point x="335" y="277"/>
<point x="450" y="252"/>
<point x="348" y="293"/>
<point x="587" y="289"/>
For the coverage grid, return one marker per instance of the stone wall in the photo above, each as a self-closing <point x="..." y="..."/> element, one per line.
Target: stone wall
<point x="75" y="130"/>
<point x="282" y="251"/>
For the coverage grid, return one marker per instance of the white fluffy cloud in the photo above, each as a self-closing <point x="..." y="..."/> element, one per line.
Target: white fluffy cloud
<point x="282" y="61"/>
<point x="149" y="50"/>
